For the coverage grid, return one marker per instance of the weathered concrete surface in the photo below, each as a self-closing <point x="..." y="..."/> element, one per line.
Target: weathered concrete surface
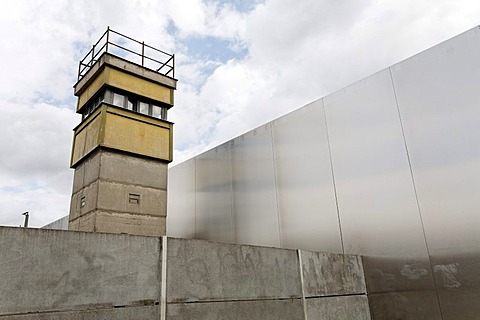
<point x="129" y="313"/>
<point x="208" y="271"/>
<point x="290" y="309"/>
<point x="339" y="308"/>
<point x="79" y="175"/>
<point x="112" y="222"/>
<point x="327" y="274"/>
<point x="51" y="274"/>
<point x="123" y="188"/>
<point x="87" y="171"/>
<point x="46" y="270"/>
<point x="85" y="223"/>
<point x="128" y="223"/>
<point x="89" y="195"/>
<point x="114" y="196"/>
<point x="115" y="167"/>
<point x="138" y="171"/>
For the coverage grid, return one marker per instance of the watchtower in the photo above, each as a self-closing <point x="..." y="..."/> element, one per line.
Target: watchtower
<point x="123" y="144"/>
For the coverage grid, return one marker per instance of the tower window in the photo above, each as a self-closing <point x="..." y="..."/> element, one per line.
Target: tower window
<point x="93" y="105"/>
<point x="143" y="108"/>
<point x="156" y="111"/>
<point x="119" y="100"/>
<point x="131" y="104"/>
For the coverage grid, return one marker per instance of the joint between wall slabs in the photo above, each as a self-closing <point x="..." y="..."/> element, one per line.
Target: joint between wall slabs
<point x="90" y="308"/>
<point x="127" y="184"/>
<point x="233" y="300"/>
<point x="123" y="183"/>
<point x="300" y="268"/>
<point x="119" y="212"/>
<point x="336" y="295"/>
<point x="163" y="284"/>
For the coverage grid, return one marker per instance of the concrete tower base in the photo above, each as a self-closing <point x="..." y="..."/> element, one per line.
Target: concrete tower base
<point x="119" y="193"/>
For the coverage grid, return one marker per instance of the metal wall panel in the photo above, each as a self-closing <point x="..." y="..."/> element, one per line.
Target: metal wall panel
<point x="405" y="305"/>
<point x="214" y="198"/>
<point x="181" y="200"/>
<point x="254" y="189"/>
<point x="306" y="199"/>
<point x="376" y="198"/>
<point x="282" y="188"/>
<point x="438" y="96"/>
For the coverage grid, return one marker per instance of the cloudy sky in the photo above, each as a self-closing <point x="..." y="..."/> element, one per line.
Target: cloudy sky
<point x="239" y="63"/>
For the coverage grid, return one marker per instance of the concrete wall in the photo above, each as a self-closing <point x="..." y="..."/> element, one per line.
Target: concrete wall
<point x="51" y="274"/>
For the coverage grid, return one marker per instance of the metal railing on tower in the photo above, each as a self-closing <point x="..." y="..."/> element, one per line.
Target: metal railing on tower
<point x="130" y="49"/>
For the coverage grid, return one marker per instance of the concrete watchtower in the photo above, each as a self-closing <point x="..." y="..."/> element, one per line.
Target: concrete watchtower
<point x="123" y="145"/>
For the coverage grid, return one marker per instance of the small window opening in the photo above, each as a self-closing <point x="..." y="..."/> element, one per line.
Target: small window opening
<point x="133" y="198"/>
<point x="82" y="202"/>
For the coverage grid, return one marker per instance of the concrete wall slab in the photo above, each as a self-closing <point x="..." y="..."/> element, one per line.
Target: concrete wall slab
<point x="119" y="197"/>
<point x="78" y="176"/>
<point x="144" y="313"/>
<point x="327" y="274"/>
<point x="92" y="168"/>
<point x="209" y="271"/>
<point x="118" y="167"/>
<point x="87" y="196"/>
<point x="260" y="309"/>
<point x="112" y="222"/>
<point x="339" y="308"/>
<point x="47" y="270"/>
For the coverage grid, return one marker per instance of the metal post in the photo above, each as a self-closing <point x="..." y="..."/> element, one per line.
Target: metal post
<point x="93" y="55"/>
<point x="25" y="224"/>
<point x="108" y="32"/>
<point x="143" y="52"/>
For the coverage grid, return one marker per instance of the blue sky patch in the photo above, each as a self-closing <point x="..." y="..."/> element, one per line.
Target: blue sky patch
<point x="213" y="49"/>
<point x="9" y="189"/>
<point x="21" y="188"/>
<point x="240" y="5"/>
<point x="172" y="28"/>
<point x="69" y="102"/>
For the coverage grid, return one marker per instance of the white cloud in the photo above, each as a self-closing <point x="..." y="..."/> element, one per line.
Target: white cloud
<point x="34" y="166"/>
<point x="297" y="51"/>
<point x="199" y="18"/>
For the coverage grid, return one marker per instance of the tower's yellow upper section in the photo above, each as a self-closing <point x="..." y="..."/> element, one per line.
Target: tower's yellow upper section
<point x="124" y="104"/>
<point x="116" y="73"/>
<point x="114" y="128"/>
